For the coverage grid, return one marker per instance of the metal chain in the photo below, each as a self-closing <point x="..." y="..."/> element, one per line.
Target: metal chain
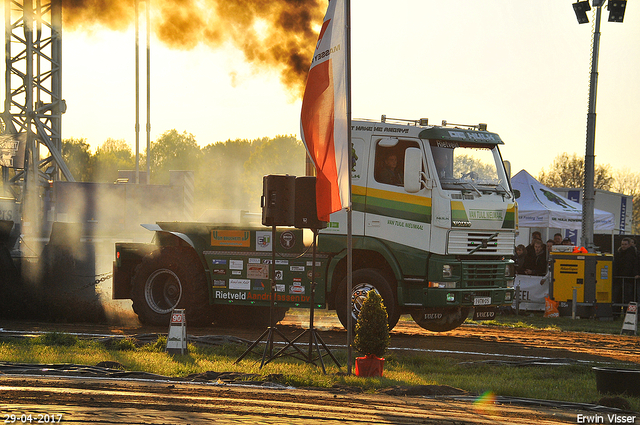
<point x="100" y="278"/>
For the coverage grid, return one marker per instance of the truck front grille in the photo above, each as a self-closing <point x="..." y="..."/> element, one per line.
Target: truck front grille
<point x="479" y="243"/>
<point x="477" y="274"/>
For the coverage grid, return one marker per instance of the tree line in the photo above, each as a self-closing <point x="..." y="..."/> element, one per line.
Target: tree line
<point x="568" y="171"/>
<point x="228" y="175"/>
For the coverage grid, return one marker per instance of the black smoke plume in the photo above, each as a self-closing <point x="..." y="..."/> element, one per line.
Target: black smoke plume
<point x="272" y="34"/>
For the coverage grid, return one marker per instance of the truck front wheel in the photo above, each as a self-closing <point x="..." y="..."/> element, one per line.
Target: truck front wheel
<point x="365" y="280"/>
<point x="440" y="319"/>
<point x="172" y="277"/>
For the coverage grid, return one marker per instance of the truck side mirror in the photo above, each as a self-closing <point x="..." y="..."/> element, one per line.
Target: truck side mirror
<point x="412" y="170"/>
<point x="507" y="168"/>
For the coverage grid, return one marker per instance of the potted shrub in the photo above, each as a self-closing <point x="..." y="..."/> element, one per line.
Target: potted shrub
<point x="371" y="336"/>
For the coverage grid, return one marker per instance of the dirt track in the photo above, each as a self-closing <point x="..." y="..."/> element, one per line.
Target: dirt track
<point x="87" y="401"/>
<point x="469" y="342"/>
<point x="92" y="401"/>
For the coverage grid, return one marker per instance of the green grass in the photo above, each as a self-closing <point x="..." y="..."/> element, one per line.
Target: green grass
<point x="566" y="324"/>
<point x="530" y="320"/>
<point x="574" y="383"/>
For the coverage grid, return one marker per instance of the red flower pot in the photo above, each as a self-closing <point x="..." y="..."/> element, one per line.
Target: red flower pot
<point x="369" y="366"/>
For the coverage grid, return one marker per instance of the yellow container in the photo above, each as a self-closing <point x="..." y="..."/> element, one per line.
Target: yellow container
<point x="590" y="274"/>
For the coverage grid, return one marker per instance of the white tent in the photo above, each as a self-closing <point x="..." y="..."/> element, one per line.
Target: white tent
<point x="539" y="206"/>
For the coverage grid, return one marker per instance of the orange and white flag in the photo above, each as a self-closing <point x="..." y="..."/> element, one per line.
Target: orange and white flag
<point x="323" y="119"/>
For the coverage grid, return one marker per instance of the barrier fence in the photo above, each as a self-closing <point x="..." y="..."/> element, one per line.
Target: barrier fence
<point x="531" y="293"/>
<point x="625" y="289"/>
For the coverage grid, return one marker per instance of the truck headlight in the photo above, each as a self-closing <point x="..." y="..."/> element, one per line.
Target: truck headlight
<point x="510" y="270"/>
<point x="447" y="270"/>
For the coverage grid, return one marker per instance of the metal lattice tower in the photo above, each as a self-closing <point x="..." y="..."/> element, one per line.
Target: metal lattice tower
<point x="33" y="105"/>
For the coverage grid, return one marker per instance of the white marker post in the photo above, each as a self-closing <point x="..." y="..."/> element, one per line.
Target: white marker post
<point x="177" y="338"/>
<point x="630" y="324"/>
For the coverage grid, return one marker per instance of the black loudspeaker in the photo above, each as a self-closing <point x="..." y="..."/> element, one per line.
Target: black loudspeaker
<point x="278" y="196"/>
<point x="306" y="213"/>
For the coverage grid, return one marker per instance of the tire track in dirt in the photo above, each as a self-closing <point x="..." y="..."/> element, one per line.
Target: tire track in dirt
<point x="118" y="402"/>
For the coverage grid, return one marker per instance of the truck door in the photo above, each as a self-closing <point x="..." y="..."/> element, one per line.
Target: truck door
<point x="392" y="213"/>
<point x="359" y="167"/>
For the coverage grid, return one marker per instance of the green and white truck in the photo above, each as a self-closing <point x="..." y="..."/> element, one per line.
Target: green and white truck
<point x="436" y="244"/>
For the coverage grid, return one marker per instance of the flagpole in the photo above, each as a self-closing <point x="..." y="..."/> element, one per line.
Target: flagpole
<point x="350" y="208"/>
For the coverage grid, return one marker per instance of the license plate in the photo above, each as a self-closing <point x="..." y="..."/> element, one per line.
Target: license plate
<point x="482" y="301"/>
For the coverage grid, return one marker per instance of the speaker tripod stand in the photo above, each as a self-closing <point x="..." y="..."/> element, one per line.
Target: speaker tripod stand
<point x="270" y="333"/>
<point x="315" y="341"/>
<point x="286" y="201"/>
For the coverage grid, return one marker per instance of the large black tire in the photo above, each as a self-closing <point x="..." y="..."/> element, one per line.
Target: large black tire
<point x="365" y="280"/>
<point x="444" y="319"/>
<point x="247" y="316"/>
<point x="172" y="277"/>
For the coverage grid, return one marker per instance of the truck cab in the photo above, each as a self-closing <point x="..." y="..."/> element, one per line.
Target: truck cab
<point x="436" y="206"/>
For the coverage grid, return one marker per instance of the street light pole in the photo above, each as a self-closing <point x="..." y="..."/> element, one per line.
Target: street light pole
<point x="588" y="198"/>
<point x="616" y="14"/>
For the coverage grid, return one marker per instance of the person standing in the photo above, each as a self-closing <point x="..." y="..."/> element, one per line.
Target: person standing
<point x="536" y="265"/>
<point x="550" y="244"/>
<point x="557" y="239"/>
<point x="625" y="272"/>
<point x="530" y="248"/>
<point x="632" y="241"/>
<point x="519" y="257"/>
<point x="549" y="248"/>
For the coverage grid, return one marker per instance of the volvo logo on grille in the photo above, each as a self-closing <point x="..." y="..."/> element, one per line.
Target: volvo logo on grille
<point x="460" y="223"/>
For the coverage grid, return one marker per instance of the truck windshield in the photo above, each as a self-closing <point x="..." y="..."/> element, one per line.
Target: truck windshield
<point x="471" y="166"/>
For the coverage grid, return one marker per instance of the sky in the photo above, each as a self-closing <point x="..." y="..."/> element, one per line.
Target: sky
<point x="522" y="67"/>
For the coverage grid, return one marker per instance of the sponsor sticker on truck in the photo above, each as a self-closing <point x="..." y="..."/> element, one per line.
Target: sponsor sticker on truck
<point x="238" y="238"/>
<point x="240" y="284"/>
<point x="263" y="241"/>
<point x="257" y="271"/>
